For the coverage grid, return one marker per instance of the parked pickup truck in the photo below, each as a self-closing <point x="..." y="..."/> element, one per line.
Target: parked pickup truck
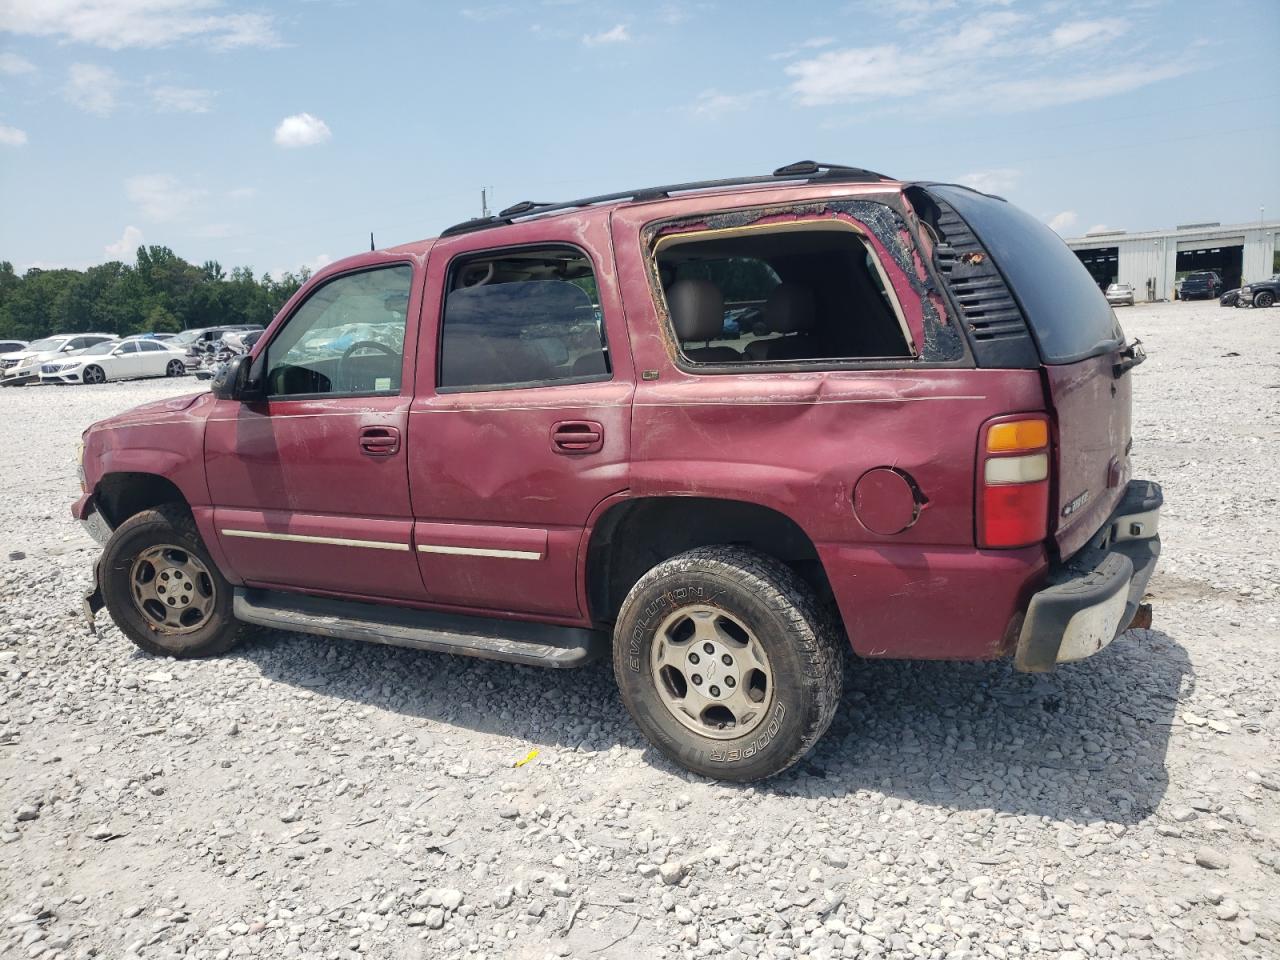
<point x="534" y="439"/>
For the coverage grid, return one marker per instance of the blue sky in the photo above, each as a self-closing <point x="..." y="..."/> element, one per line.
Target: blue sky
<point x="278" y="135"/>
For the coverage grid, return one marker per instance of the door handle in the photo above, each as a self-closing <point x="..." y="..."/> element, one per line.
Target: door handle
<point x="577" y="436"/>
<point x="379" y="441"/>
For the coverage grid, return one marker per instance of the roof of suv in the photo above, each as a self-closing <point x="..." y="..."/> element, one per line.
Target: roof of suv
<point x="806" y="171"/>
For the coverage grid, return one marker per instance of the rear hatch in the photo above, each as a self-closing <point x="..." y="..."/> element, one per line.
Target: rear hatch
<point x="1068" y="329"/>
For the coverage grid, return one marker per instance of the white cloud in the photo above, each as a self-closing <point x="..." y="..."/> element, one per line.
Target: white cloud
<point x="126" y="246"/>
<point x="813" y="43"/>
<point x="160" y="196"/>
<point x="118" y="24"/>
<point x="1062" y="221"/>
<point x="713" y="103"/>
<point x="965" y="55"/>
<point x="1077" y="32"/>
<point x="91" y="88"/>
<point x="618" y="34"/>
<point x="12" y="136"/>
<point x="998" y="180"/>
<point x="302" y="130"/>
<point x="242" y="193"/>
<point x="862" y="73"/>
<point x="1052" y="91"/>
<point x="181" y="99"/>
<point x="12" y="65"/>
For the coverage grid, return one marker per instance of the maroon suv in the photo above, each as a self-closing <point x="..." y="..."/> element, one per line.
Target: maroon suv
<point x="718" y="429"/>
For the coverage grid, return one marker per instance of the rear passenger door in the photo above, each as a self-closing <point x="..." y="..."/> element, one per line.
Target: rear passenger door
<point x="520" y="427"/>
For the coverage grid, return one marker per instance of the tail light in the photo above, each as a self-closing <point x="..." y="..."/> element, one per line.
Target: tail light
<point x="1013" y="482"/>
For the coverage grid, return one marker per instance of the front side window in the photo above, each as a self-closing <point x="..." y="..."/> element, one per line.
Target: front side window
<point x="130" y="347"/>
<point x="801" y="293"/>
<point x="526" y="317"/>
<point x="347" y="337"/>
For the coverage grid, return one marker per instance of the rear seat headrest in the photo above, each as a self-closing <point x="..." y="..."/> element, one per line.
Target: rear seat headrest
<point x="790" y="308"/>
<point x="697" y="309"/>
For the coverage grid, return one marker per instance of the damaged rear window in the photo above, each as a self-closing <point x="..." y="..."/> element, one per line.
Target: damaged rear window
<point x="1069" y="316"/>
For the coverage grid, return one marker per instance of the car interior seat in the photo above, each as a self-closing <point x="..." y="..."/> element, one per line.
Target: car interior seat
<point x="697" y="313"/>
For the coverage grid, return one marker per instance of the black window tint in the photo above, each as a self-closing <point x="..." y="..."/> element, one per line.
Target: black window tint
<point x="522" y="318"/>
<point x="149" y="345"/>
<point x="1068" y="314"/>
<point x="130" y="347"/>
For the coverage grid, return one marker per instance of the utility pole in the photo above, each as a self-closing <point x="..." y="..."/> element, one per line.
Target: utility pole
<point x="484" y="201"/>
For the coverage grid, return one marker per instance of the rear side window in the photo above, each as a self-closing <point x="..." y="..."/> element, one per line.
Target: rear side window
<point x="1069" y="316"/>
<point x="813" y="293"/>
<point x="522" y="318"/>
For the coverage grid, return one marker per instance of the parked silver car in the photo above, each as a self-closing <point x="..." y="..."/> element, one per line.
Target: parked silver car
<point x="1120" y="295"/>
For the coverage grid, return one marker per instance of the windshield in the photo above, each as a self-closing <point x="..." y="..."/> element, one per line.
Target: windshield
<point x="98" y="349"/>
<point x="53" y="343"/>
<point x="185" y="337"/>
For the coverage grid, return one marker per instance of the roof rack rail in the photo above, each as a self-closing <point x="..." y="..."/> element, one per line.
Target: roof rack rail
<point x="806" y="170"/>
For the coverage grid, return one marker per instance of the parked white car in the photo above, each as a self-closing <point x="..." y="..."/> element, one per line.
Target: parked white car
<point x="114" y="360"/>
<point x="23" y="366"/>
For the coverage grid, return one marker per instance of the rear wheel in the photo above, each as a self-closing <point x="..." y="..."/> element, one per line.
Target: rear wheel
<point x="727" y="662"/>
<point x="93" y="374"/>
<point x="176" y="368"/>
<point x="1264" y="299"/>
<point x="163" y="590"/>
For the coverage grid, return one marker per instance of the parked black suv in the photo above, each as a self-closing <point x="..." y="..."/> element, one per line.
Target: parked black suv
<point x="1204" y="285"/>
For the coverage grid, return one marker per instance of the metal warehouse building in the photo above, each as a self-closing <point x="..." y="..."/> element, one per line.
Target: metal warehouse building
<point x="1153" y="260"/>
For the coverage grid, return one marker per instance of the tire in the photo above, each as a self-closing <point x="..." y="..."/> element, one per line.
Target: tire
<point x="93" y="375"/>
<point x="139" y="542"/>
<point x="735" y="603"/>
<point x="1265" y="299"/>
<point x="176" y="368"/>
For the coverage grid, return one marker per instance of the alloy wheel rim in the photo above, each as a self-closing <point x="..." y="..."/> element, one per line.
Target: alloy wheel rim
<point x="172" y="589"/>
<point x="93" y="375"/>
<point x="711" y="672"/>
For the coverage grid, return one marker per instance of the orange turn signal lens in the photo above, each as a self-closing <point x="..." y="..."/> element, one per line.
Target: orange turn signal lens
<point x="1017" y="435"/>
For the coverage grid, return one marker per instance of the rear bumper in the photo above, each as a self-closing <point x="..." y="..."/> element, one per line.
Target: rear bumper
<point x="1095" y="595"/>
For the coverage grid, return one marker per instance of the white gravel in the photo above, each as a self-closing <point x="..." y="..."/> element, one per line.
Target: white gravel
<point x="308" y="798"/>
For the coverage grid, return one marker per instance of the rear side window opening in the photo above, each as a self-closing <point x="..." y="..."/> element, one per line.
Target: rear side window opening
<point x="801" y="291"/>
<point x="522" y="318"/>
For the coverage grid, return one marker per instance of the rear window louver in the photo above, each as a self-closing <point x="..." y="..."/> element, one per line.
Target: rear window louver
<point x="993" y="322"/>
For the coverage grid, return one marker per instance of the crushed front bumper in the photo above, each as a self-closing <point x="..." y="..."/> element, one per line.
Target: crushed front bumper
<point x="1093" y="597"/>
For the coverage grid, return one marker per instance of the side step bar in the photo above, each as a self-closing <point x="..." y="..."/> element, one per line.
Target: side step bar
<point x="515" y="641"/>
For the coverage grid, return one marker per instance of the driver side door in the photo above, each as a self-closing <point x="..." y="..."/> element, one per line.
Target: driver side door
<point x="309" y="484"/>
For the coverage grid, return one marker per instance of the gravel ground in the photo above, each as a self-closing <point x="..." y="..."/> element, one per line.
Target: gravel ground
<point x="308" y="798"/>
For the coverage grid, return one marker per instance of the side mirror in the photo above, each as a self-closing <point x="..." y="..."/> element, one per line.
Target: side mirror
<point x="230" y="380"/>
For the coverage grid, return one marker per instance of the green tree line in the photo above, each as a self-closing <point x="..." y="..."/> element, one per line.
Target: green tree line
<point x="159" y="292"/>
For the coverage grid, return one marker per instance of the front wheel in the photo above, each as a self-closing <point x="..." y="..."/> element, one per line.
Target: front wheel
<point x="163" y="590"/>
<point x="93" y="374"/>
<point x="1264" y="299"/>
<point x="727" y="663"/>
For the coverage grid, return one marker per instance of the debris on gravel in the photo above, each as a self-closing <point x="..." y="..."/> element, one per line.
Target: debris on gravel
<point x="317" y="799"/>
